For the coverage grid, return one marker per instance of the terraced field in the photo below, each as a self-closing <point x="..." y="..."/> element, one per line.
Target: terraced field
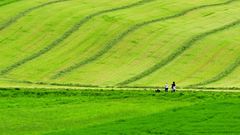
<point x="124" y="43"/>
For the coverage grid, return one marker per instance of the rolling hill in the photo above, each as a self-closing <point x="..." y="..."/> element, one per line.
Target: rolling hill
<point x="124" y="43"/>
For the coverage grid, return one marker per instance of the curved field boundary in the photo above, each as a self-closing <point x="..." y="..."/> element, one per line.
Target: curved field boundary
<point x="68" y="33"/>
<point x="178" y="52"/>
<point x="221" y="75"/>
<point x="120" y="37"/>
<point x="10" y="2"/>
<point x="24" y="13"/>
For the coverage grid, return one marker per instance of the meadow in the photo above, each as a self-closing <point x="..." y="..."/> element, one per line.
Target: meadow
<point x="69" y="112"/>
<point x="91" y="67"/>
<point x="124" y="43"/>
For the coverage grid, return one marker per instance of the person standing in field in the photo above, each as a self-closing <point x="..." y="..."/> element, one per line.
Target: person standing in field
<point x="166" y="87"/>
<point x="173" y="87"/>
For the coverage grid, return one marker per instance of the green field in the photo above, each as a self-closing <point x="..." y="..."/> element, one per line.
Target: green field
<point x="124" y="43"/>
<point x="91" y="67"/>
<point x="69" y="112"/>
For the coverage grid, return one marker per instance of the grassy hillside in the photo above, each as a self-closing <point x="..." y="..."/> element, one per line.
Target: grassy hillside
<point x="135" y="43"/>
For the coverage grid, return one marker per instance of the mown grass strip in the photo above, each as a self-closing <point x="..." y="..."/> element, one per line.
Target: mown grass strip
<point x="68" y="33"/>
<point x="221" y="75"/>
<point x="211" y="88"/>
<point x="121" y="36"/>
<point x="54" y="84"/>
<point x="25" y="12"/>
<point x="96" y="87"/>
<point x="9" y="2"/>
<point x="178" y="52"/>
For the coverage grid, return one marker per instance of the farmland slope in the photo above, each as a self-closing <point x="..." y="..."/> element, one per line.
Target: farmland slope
<point x="126" y="43"/>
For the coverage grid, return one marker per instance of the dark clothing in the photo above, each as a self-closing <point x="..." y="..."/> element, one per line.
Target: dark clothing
<point x="166" y="89"/>
<point x="157" y="91"/>
<point x="173" y="87"/>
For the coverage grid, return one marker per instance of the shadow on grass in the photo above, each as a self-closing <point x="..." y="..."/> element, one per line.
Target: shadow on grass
<point x="209" y="118"/>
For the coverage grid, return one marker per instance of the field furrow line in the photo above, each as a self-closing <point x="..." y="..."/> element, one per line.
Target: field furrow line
<point x="221" y="75"/>
<point x="67" y="34"/>
<point x="10" y="2"/>
<point x="130" y="30"/>
<point x="178" y="52"/>
<point x="27" y="11"/>
<point x="214" y="56"/>
<point x="53" y="84"/>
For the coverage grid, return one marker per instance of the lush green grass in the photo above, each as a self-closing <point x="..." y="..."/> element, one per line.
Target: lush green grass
<point x="71" y="54"/>
<point x="213" y="54"/>
<point x="6" y="2"/>
<point x="39" y="111"/>
<point x="129" y="58"/>
<point x="120" y="43"/>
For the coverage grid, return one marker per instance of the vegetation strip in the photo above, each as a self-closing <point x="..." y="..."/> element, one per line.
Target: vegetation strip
<point x="86" y="86"/>
<point x="211" y="88"/>
<point x="68" y="33"/>
<point x="221" y="75"/>
<point x="120" y="37"/>
<point x="178" y="52"/>
<point x="9" y="2"/>
<point x="53" y="84"/>
<point x="24" y="13"/>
